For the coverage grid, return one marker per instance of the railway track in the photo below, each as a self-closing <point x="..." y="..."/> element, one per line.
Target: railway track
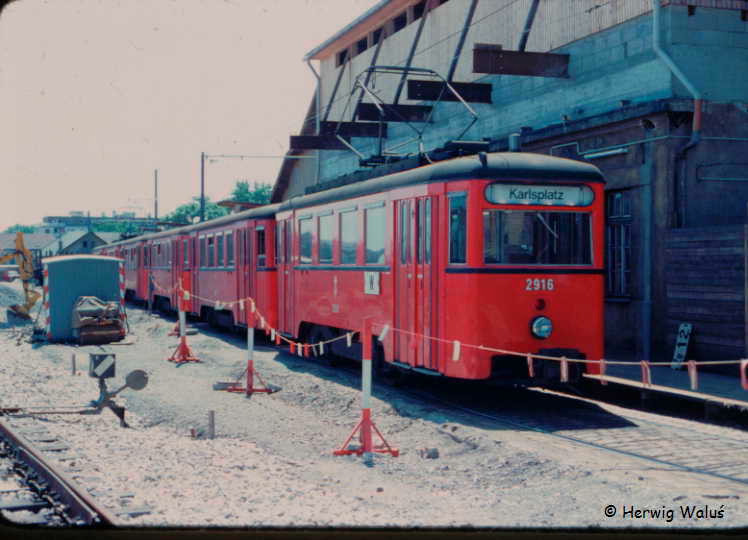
<point x="34" y="489"/>
<point x="673" y="443"/>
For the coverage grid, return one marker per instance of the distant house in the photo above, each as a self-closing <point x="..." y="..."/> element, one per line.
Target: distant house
<point x="77" y="242"/>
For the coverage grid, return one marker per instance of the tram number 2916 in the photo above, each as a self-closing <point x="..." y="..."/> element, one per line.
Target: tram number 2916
<point x="539" y="284"/>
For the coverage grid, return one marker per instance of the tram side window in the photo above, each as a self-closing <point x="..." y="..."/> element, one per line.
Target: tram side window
<point x="211" y="251"/>
<point x="305" y="241"/>
<point x="374" y="235"/>
<point x="289" y="238"/>
<point x="247" y="247"/>
<point x="219" y="250"/>
<point x="186" y="252"/>
<point x="404" y="232"/>
<point x="203" y="252"/>
<point x="261" y="259"/>
<point x="325" y="238"/>
<point x="279" y="243"/>
<point x="229" y="249"/>
<point x="457" y="227"/>
<point x="348" y="237"/>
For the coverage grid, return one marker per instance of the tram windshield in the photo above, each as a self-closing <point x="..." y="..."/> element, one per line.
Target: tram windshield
<point x="529" y="237"/>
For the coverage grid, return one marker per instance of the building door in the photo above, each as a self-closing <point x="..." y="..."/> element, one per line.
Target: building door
<point x="285" y="277"/>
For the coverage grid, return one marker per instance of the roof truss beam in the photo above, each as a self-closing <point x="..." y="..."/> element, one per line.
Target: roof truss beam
<point x="492" y="59"/>
<point x="437" y="91"/>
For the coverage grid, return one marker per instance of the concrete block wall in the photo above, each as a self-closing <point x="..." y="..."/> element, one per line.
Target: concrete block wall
<point x="711" y="46"/>
<point x="605" y="68"/>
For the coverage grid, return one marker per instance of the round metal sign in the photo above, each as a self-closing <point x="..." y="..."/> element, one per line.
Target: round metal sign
<point x="137" y="379"/>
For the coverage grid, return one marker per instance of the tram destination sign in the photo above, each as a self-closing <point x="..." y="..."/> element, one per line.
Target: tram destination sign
<point x="499" y="193"/>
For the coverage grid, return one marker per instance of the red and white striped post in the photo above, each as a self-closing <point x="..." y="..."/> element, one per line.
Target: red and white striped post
<point x="47" y="312"/>
<point x="250" y="349"/>
<point x="250" y="387"/>
<point x="183" y="353"/>
<point x="366" y="425"/>
<point x="122" y="314"/>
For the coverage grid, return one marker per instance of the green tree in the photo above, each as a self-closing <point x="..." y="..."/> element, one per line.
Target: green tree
<point x="185" y="212"/>
<point x="25" y="229"/>
<point x="258" y="193"/>
<point x="124" y="228"/>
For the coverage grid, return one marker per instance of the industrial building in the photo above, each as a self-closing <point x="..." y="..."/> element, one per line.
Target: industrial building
<point x="653" y="92"/>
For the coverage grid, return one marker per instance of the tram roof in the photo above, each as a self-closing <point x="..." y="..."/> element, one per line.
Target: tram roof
<point x="496" y="166"/>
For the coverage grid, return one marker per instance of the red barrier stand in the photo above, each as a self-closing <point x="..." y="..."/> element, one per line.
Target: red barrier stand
<point x="250" y="387"/>
<point x="183" y="353"/>
<point x="366" y="424"/>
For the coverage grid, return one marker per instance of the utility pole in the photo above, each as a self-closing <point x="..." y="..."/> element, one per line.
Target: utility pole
<point x="155" y="194"/>
<point x="202" y="187"/>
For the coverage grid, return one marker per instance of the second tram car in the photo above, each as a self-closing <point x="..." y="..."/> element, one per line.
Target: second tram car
<point x="503" y="250"/>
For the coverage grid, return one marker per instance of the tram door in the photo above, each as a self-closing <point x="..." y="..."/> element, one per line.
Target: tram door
<point x="186" y="259"/>
<point x="424" y="281"/>
<point x="143" y="272"/>
<point x="414" y="282"/>
<point x="284" y="231"/>
<point x="241" y="260"/>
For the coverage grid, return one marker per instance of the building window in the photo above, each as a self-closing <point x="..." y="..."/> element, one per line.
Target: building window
<point x="341" y="58"/>
<point x="399" y="22"/>
<point x="348" y="237"/>
<point x="376" y="229"/>
<point x="418" y="10"/>
<point x="325" y="238"/>
<point x="305" y="241"/>
<point x="618" y="229"/>
<point x="361" y="45"/>
<point x="457" y="227"/>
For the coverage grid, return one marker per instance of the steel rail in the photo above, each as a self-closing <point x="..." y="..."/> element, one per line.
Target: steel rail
<point x="81" y="507"/>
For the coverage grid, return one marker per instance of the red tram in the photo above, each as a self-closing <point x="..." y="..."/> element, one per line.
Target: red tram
<point x="503" y="250"/>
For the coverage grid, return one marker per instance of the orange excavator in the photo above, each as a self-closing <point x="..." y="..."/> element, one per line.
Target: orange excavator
<point x="25" y="264"/>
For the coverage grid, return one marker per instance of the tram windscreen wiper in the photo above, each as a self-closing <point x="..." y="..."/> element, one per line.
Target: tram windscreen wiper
<point x="550" y="230"/>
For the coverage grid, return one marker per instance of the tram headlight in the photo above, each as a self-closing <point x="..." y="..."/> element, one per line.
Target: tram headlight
<point x="541" y="327"/>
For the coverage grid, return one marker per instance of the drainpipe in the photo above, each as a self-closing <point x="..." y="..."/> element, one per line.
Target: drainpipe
<point x="648" y="195"/>
<point x="679" y="185"/>
<point x="317" y="113"/>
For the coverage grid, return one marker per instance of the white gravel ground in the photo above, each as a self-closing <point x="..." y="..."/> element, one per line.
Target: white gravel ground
<point x="271" y="464"/>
